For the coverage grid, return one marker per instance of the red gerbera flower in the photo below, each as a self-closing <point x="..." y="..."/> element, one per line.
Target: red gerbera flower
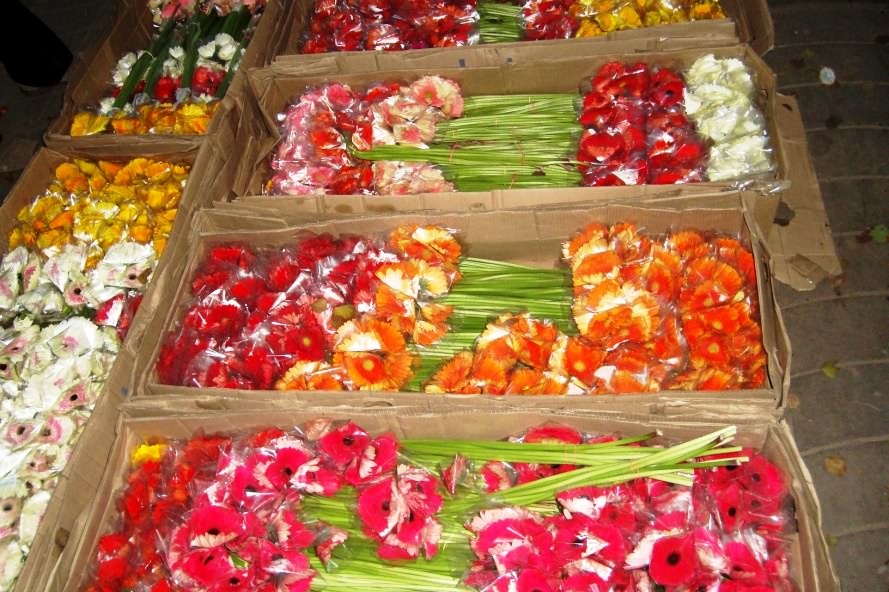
<point x="380" y="510"/>
<point x="673" y="560"/>
<point x="214" y="526"/>
<point x="744" y="566"/>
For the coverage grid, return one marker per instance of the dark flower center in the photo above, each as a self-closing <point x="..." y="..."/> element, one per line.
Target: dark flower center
<point x="731" y="468"/>
<point x="20" y="430"/>
<point x="46" y="433"/>
<point x="348" y="440"/>
<point x="578" y="541"/>
<point x="234" y="581"/>
<point x="756" y="477"/>
<point x="72" y="398"/>
<point x="754" y="504"/>
<point x="7" y="507"/>
<point x="3" y="367"/>
<point x="732" y="511"/>
<point x="77" y="291"/>
<point x="132" y="276"/>
<point x="288" y="471"/>
<point x="674" y="558"/>
<point x="250" y="489"/>
<point x="213" y="531"/>
<point x="385" y="506"/>
<point x="208" y="559"/>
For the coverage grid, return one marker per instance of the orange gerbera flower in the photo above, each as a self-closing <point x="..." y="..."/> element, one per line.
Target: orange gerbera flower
<point x="594" y="233"/>
<point x="453" y="376"/>
<point x="432" y="244"/>
<point x="668" y="344"/>
<point x="426" y="333"/>
<point x="373" y="353"/>
<point x="311" y="376"/>
<point x="708" y="351"/>
<point x="733" y="251"/>
<point x="706" y="379"/>
<point x="582" y="359"/>
<point x="396" y="308"/>
<point x="662" y="274"/>
<point x="436" y="313"/>
<point x="756" y="379"/>
<point x="628" y="243"/>
<point x="727" y="319"/>
<point x="533" y="339"/>
<point x="402" y="277"/>
<point x="627" y="370"/>
<point x="709" y="282"/>
<point x="489" y="374"/>
<point x="688" y="244"/>
<point x="632" y="317"/>
<point x="527" y="381"/>
<point x="589" y="268"/>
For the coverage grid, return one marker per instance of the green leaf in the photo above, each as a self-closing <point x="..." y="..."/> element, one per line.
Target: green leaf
<point x="879" y="233"/>
<point x="830" y="369"/>
<point x="237" y="562"/>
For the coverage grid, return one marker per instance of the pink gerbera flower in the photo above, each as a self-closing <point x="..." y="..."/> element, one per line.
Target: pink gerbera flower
<point x="344" y="444"/>
<point x="214" y="526"/>
<point x="378" y="458"/>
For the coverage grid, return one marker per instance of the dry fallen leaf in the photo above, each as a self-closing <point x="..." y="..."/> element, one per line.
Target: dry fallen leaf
<point x="830" y="540"/>
<point x="792" y="401"/>
<point x="830" y="369"/>
<point x="835" y="465"/>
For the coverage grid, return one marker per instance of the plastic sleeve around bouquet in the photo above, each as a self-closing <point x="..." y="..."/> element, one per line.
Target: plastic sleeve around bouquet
<point x="325" y="314"/>
<point x="345" y="25"/>
<point x="720" y="100"/>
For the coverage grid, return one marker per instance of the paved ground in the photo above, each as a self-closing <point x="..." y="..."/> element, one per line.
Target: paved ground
<point x="842" y="324"/>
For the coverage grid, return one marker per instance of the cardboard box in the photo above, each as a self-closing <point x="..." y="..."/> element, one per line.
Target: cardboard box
<point x="530" y="236"/>
<point x="132" y="30"/>
<point x="749" y="21"/>
<point x="276" y="86"/>
<point x="811" y="568"/>
<point x="95" y="442"/>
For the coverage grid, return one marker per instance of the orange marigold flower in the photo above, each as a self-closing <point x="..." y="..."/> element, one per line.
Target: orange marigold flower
<point x="582" y="359"/>
<point x="453" y="376"/>
<point x="594" y="233"/>
<point x="432" y="244"/>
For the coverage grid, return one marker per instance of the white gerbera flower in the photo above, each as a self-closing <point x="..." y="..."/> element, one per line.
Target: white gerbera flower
<point x="208" y="50"/>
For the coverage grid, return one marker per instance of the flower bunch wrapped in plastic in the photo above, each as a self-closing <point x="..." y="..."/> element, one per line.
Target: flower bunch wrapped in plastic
<point x="650" y="315"/>
<point x="314" y="157"/>
<point x="173" y="87"/>
<point x="599" y="17"/>
<point x="328" y="506"/>
<point x="62" y="326"/>
<point x="389" y="25"/>
<point x="720" y="100"/>
<point x="165" y="10"/>
<point x="98" y="204"/>
<point x="323" y="314"/>
<point x="636" y="131"/>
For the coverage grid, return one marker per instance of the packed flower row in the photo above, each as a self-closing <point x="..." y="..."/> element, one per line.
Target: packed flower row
<point x="394" y="25"/>
<point x="328" y="506"/>
<point x="69" y="288"/>
<point x="637" y="124"/>
<point x="165" y="10"/>
<point x="644" y="314"/>
<point x="173" y="86"/>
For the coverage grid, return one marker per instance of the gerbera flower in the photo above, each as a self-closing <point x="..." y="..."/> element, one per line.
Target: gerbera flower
<point x="708" y="282"/>
<point x="373" y="355"/>
<point x="582" y="359"/>
<point x="214" y="526"/>
<point x="377" y="458"/>
<point x="332" y="538"/>
<point x="688" y="244"/>
<point x="345" y="444"/>
<point x="498" y="476"/>
<point x="311" y="376"/>
<point x="429" y="243"/>
<point x="514" y="538"/>
<point x="595" y="234"/>
<point x="744" y="566"/>
<point x="380" y="508"/>
<point x="453" y="376"/>
<point x="673" y="560"/>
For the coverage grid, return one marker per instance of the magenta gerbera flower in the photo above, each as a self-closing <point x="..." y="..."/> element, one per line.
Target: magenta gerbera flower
<point x="744" y="566"/>
<point x="214" y="526"/>
<point x="378" y="458"/>
<point x="344" y="444"/>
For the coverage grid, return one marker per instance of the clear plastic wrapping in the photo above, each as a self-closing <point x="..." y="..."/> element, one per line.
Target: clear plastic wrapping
<point x="721" y="102"/>
<point x="328" y="502"/>
<point x="326" y="313"/>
